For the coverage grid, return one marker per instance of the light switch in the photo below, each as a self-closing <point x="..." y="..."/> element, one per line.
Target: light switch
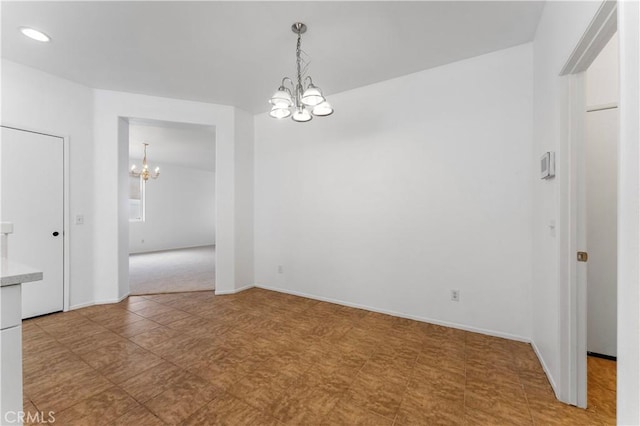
<point x="79" y="219"/>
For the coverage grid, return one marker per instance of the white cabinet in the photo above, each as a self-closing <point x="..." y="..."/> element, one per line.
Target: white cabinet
<point x="11" y="373"/>
<point x="11" y="279"/>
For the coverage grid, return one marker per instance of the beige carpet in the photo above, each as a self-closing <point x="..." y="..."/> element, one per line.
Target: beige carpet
<point x="171" y="271"/>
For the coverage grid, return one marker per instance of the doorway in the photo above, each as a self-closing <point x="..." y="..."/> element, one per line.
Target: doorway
<point x="601" y="191"/>
<point x="171" y="213"/>
<point x="33" y="188"/>
<point x="574" y="197"/>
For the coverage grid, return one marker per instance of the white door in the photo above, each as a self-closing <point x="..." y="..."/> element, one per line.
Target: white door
<point x="32" y="197"/>
<point x="602" y="241"/>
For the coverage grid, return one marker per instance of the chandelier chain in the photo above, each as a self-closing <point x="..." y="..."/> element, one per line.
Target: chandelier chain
<point x="298" y="65"/>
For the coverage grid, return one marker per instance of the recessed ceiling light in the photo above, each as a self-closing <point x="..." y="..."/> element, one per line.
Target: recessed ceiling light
<point x="35" y="34"/>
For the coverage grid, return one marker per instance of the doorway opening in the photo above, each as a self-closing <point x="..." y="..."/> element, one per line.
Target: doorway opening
<point x="172" y="213"/>
<point x="600" y="205"/>
<point x="589" y="135"/>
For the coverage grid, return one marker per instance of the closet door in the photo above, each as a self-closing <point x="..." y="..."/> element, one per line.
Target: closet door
<point x="32" y="198"/>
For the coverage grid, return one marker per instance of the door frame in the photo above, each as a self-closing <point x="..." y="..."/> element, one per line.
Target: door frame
<point x="124" y="124"/>
<point x="573" y="207"/>
<point x="65" y="207"/>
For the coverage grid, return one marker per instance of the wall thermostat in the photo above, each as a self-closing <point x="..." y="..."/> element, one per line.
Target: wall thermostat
<point x="548" y="165"/>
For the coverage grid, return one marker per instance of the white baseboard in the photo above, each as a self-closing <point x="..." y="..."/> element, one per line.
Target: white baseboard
<point x="368" y="308"/>
<point x="98" y="302"/>
<point x="171" y="249"/>
<point x="546" y="369"/>
<point x="81" y="305"/>
<point x="401" y="315"/>
<point x="234" y="291"/>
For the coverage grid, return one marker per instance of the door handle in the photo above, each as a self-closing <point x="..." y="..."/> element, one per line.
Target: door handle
<point x="56" y="233"/>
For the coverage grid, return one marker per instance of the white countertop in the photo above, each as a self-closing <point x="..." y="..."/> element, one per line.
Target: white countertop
<point x="12" y="273"/>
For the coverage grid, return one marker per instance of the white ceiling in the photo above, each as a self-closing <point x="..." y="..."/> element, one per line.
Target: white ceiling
<point x="235" y="53"/>
<point x="185" y="145"/>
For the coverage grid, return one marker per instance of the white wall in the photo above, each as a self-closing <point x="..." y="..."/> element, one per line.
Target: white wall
<point x="180" y="210"/>
<point x="95" y="123"/>
<point x="415" y="186"/>
<point x="37" y="101"/>
<point x="561" y="26"/>
<point x="111" y="197"/>
<point x="602" y="198"/>
<point x="244" y="152"/>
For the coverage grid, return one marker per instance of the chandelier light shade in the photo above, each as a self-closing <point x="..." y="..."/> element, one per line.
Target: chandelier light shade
<point x="322" y="110"/>
<point x="279" y="112"/>
<point x="312" y="96"/>
<point x="301" y="100"/>
<point x="281" y="99"/>
<point x="301" y="115"/>
<point x="144" y="174"/>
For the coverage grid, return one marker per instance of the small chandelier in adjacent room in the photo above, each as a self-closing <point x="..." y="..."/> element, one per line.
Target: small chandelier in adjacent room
<point x="144" y="174"/>
<point x="302" y="100"/>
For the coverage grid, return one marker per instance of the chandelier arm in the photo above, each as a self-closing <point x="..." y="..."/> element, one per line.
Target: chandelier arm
<point x="285" y="79"/>
<point x="284" y="87"/>
<point x="310" y="81"/>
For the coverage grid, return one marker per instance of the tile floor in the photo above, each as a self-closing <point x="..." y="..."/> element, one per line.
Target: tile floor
<point x="265" y="358"/>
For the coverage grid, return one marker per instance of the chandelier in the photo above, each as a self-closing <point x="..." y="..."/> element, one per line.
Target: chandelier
<point x="144" y="174"/>
<point x="302" y="100"/>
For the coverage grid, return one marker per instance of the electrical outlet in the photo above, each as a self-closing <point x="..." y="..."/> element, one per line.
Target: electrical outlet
<point x="280" y="269"/>
<point x="455" y="295"/>
<point x="142" y="241"/>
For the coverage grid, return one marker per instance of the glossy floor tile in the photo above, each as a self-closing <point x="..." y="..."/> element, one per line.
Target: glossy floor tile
<point x="266" y="358"/>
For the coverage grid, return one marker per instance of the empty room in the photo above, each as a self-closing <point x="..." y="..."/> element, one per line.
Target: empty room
<point x="320" y="213"/>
